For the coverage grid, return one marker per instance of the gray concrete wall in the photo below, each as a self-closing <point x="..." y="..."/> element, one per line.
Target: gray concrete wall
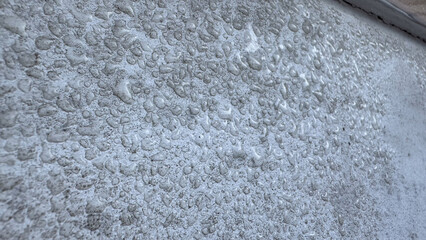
<point x="209" y="120"/>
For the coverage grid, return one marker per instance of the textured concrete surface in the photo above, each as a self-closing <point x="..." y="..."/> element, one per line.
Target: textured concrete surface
<point x="407" y="15"/>
<point x="209" y="120"/>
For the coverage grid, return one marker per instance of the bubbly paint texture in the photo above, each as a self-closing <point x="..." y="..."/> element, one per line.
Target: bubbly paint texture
<point x="140" y="119"/>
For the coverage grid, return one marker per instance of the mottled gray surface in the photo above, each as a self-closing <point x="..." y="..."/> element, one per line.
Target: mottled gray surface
<point x="407" y="15"/>
<point x="209" y="120"/>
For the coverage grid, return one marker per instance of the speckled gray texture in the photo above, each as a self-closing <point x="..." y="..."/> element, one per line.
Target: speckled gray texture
<point x="209" y="120"/>
<point x="407" y="15"/>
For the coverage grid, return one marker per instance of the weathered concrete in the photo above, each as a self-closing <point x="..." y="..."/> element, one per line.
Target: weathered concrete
<point x="209" y="120"/>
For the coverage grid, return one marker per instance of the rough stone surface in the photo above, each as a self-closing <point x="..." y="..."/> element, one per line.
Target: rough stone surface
<point x="137" y="119"/>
